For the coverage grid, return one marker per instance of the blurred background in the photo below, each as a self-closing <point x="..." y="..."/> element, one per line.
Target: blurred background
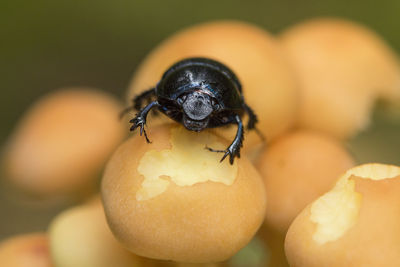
<point x="51" y="44"/>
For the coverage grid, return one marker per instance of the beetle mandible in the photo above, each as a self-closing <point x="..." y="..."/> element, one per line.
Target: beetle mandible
<point x="198" y="93"/>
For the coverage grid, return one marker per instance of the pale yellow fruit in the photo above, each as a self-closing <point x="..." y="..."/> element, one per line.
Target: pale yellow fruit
<point x="354" y="224"/>
<point x="342" y="67"/>
<point x="63" y="141"/>
<point x="297" y="168"/>
<point x="80" y="237"/>
<point x="253" y="54"/>
<point x="173" y="199"/>
<point x="25" y="250"/>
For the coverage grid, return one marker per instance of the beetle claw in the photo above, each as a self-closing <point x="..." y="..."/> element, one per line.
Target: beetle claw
<point x="230" y="151"/>
<point x="225" y="155"/>
<point x="139" y="122"/>
<point x="232" y="154"/>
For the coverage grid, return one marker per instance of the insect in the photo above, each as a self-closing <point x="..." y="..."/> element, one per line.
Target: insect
<point x="198" y="93"/>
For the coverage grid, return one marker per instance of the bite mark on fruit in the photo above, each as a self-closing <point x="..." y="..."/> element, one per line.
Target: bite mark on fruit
<point x="337" y="210"/>
<point x="185" y="164"/>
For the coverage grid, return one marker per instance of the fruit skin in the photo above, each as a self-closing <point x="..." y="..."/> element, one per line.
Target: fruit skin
<point x="62" y="142"/>
<point x="269" y="85"/>
<point x="25" y="250"/>
<point x="199" y="223"/>
<point x="296" y="169"/>
<point x="342" y="69"/>
<point x="80" y="237"/>
<point x="372" y="240"/>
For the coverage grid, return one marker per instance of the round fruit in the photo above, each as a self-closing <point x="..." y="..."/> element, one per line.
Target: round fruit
<point x="173" y="200"/>
<point x="63" y="141"/>
<point x="26" y="250"/>
<point x="342" y="68"/>
<point x="354" y="224"/>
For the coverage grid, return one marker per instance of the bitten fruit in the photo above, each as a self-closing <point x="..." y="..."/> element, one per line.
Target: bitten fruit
<point x="342" y="69"/>
<point x="354" y="224"/>
<point x="173" y="200"/>
<point x="296" y="168"/>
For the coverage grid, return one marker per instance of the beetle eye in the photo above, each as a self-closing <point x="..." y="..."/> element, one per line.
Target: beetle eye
<point x="181" y="99"/>
<point x="215" y="104"/>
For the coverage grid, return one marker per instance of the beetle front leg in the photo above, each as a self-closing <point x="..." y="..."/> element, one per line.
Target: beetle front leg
<point x="140" y="119"/>
<point x="234" y="149"/>
<point x="137" y="101"/>
<point x="145" y="96"/>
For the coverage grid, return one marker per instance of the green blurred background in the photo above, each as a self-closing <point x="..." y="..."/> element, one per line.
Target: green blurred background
<point x="45" y="45"/>
<point x="49" y="44"/>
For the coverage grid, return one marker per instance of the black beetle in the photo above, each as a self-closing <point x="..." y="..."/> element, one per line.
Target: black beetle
<point x="199" y="93"/>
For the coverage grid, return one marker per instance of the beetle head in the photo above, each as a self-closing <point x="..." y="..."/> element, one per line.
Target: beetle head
<point x="197" y="107"/>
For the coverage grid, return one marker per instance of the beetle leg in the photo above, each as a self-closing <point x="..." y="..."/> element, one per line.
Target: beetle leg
<point x="137" y="101"/>
<point x="252" y="117"/>
<point x="140" y="119"/>
<point x="145" y="96"/>
<point x="234" y="149"/>
<point x="251" y="124"/>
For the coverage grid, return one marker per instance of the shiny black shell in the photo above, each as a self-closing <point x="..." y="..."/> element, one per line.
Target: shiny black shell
<point x="206" y="75"/>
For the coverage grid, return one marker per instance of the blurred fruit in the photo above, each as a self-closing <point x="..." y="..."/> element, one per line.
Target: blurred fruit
<point x="25" y="250"/>
<point x="297" y="168"/>
<point x="342" y="67"/>
<point x="80" y="237"/>
<point x="63" y="141"/>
